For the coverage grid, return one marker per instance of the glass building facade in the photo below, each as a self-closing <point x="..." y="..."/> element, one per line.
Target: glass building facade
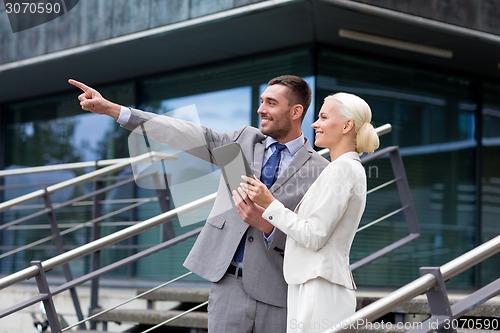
<point x="446" y="125"/>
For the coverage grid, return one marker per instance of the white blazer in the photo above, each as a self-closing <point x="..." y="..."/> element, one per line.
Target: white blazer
<point x="321" y="229"/>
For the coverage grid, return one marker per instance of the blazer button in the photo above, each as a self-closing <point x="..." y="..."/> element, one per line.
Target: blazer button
<point x="250" y="238"/>
<point x="270" y="217"/>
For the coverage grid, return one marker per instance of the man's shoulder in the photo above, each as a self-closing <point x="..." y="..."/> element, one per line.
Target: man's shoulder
<point x="318" y="159"/>
<point x="249" y="134"/>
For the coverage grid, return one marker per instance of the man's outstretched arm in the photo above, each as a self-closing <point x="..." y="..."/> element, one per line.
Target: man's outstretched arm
<point x="91" y="100"/>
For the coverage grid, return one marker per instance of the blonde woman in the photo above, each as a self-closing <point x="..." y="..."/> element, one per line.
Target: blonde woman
<point x="321" y="229"/>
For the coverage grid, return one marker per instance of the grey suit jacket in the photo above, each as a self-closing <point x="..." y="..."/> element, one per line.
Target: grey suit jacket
<point x="214" y="248"/>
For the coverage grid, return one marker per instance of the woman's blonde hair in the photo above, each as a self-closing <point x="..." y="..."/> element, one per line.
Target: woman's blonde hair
<point x="355" y="108"/>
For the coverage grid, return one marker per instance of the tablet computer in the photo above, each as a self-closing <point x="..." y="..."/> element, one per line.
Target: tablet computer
<point x="232" y="163"/>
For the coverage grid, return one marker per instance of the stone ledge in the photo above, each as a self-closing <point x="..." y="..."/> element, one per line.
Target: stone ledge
<point x="153" y="317"/>
<point x="185" y="295"/>
<point x="419" y="305"/>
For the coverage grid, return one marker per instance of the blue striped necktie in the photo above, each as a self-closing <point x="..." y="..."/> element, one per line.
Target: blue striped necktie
<point x="270" y="168"/>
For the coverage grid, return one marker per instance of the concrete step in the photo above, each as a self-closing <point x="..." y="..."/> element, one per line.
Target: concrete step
<point x="80" y="331"/>
<point x="152" y="317"/>
<point x="85" y="331"/>
<point x="183" y="295"/>
<point x="415" y="310"/>
<point x="418" y="305"/>
<point x="394" y="330"/>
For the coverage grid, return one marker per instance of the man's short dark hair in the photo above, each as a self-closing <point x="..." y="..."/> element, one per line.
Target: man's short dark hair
<point x="300" y="93"/>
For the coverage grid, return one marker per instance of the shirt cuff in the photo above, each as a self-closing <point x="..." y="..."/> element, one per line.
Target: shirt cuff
<point x="269" y="238"/>
<point x="271" y="210"/>
<point x="124" y="116"/>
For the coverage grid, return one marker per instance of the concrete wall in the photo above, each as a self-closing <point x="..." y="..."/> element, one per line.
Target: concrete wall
<point x="482" y="15"/>
<point x="95" y="20"/>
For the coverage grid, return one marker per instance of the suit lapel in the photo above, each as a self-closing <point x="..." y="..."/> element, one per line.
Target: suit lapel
<point x="258" y="157"/>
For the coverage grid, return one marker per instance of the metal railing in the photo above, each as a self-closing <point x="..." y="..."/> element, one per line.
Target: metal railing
<point x="49" y="208"/>
<point x="39" y="268"/>
<point x="432" y="284"/>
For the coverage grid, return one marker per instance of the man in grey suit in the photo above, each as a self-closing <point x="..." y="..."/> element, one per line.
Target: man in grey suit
<point x="245" y="263"/>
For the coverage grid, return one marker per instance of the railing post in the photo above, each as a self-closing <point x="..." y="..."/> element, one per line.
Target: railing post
<point x="404" y="191"/>
<point x="167" y="229"/>
<point x="438" y="300"/>
<point x="48" y="302"/>
<point x="60" y="249"/>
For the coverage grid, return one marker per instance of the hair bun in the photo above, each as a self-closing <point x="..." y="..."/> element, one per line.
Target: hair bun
<point x="367" y="140"/>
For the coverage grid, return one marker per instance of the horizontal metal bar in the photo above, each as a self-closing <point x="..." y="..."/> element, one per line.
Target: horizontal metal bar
<point x="381" y="186"/>
<point x="61" y="167"/>
<point x="79" y="180"/>
<point x="383" y="251"/>
<point x="77" y="203"/>
<point x="73" y="203"/>
<point x="24" y="304"/>
<point x="379" y="153"/>
<point x="386" y="216"/>
<point x="71" y="225"/>
<point x="471" y="258"/>
<point x="479" y="296"/>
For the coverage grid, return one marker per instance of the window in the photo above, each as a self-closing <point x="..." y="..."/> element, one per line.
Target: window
<point x="490" y="180"/>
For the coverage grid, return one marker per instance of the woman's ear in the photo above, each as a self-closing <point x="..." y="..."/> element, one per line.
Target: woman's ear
<point x="348" y="126"/>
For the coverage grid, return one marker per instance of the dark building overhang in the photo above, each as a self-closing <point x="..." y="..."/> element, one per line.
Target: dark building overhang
<point x="262" y="27"/>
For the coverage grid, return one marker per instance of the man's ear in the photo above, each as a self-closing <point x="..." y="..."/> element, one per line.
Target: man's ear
<point x="297" y="111"/>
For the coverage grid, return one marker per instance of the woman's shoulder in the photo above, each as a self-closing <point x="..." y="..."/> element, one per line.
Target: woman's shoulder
<point x="349" y="164"/>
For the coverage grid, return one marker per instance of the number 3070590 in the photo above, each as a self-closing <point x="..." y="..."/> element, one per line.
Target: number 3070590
<point x="32" y="8"/>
